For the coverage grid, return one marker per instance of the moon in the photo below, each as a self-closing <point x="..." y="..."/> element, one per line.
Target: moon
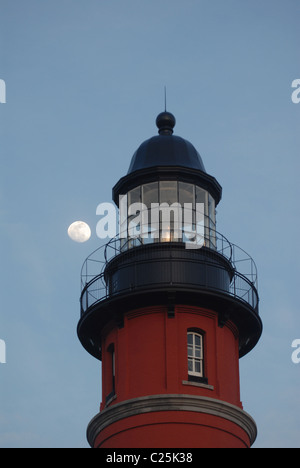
<point x="79" y="231"/>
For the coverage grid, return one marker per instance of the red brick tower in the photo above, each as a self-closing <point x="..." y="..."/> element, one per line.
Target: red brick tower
<point x="168" y="310"/>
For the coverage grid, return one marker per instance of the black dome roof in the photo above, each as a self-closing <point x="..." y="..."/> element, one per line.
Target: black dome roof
<point x="166" y="157"/>
<point x="166" y="149"/>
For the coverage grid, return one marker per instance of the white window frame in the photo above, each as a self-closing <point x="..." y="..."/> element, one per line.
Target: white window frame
<point x="195" y="354"/>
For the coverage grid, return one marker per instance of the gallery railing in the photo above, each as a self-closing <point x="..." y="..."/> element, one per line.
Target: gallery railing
<point x="243" y="278"/>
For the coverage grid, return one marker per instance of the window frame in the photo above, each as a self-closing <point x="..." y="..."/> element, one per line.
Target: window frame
<point x="194" y="375"/>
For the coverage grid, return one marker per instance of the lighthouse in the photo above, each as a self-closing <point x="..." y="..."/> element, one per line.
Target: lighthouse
<point x="169" y="306"/>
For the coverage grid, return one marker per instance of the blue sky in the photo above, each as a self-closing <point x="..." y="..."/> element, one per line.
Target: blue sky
<point x="85" y="82"/>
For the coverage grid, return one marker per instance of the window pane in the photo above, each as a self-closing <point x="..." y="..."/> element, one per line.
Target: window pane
<point x="211" y="208"/>
<point x="200" y="196"/>
<point x="190" y="338"/>
<point x="197" y="340"/>
<point x="134" y="196"/>
<point x="168" y="192"/>
<point x="187" y="203"/>
<point x="212" y="221"/>
<point x="197" y="366"/>
<point x="186" y="193"/>
<point x="150" y="194"/>
<point x="190" y="365"/>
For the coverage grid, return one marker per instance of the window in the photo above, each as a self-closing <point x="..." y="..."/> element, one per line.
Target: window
<point x="195" y="354"/>
<point x="111" y="372"/>
<point x="113" y="369"/>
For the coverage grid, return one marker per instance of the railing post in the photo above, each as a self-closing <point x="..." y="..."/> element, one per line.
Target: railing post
<point x="86" y="298"/>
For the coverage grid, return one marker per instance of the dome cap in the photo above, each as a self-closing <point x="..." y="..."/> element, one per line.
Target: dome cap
<point x="166" y="149"/>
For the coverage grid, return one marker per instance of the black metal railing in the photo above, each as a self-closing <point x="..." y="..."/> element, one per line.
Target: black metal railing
<point x="243" y="273"/>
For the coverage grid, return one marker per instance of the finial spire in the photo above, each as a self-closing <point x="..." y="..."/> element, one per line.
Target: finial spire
<point x="165" y="99"/>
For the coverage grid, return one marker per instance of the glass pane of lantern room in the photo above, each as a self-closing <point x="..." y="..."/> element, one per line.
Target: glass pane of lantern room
<point x="201" y="198"/>
<point x="168" y="192"/>
<point x="212" y="221"/>
<point x="187" y="203"/>
<point x="201" y="214"/>
<point x="150" y="194"/>
<point x="186" y="193"/>
<point x="211" y="209"/>
<point x="134" y="196"/>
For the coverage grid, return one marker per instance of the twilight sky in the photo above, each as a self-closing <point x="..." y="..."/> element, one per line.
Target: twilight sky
<point x="84" y="84"/>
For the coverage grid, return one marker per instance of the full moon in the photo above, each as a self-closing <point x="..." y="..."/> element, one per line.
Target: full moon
<point x="79" y="231"/>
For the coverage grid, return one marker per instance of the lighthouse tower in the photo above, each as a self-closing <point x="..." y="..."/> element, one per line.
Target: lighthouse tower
<point x="169" y="306"/>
